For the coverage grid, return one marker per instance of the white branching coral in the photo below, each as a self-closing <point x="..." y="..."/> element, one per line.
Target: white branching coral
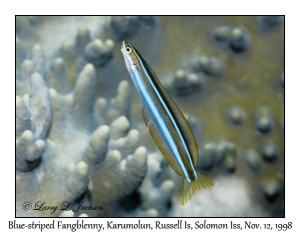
<point x="157" y="188"/>
<point x="121" y="27"/>
<point x="63" y="147"/>
<point x="116" y="107"/>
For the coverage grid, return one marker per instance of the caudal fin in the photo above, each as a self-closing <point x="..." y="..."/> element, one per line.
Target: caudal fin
<point x="190" y="188"/>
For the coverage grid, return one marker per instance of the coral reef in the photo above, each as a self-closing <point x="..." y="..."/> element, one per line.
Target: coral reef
<point x="211" y="66"/>
<point x="221" y="156"/>
<point x="157" y="188"/>
<point x="80" y="136"/>
<point x="270" y="152"/>
<point x="121" y="27"/>
<point x="236" y="115"/>
<point x="236" y="39"/>
<point x="97" y="52"/>
<point x="253" y="161"/>
<point x="101" y="156"/>
<point x="264" y="121"/>
<point x="54" y="167"/>
<point x="270" y="22"/>
<point x="184" y="83"/>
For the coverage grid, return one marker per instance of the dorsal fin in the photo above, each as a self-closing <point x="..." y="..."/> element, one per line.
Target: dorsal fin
<point x="161" y="142"/>
<point x="179" y="118"/>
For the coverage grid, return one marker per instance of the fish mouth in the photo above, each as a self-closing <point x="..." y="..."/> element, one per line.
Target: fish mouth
<point x="123" y="46"/>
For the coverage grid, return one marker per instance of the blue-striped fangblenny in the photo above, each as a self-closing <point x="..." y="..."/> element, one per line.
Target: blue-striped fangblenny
<point x="166" y="123"/>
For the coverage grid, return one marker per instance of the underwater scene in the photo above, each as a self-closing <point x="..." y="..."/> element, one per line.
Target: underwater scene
<point x="82" y="146"/>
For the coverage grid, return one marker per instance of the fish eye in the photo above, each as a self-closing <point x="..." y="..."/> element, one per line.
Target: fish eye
<point x="128" y="49"/>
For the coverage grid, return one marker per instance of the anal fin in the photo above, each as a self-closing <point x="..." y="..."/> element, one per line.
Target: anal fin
<point x="160" y="141"/>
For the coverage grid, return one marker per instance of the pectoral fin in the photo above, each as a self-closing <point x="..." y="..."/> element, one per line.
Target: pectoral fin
<point x="145" y="116"/>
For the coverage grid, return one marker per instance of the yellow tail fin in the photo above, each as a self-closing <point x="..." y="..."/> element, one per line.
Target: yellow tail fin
<point x="190" y="188"/>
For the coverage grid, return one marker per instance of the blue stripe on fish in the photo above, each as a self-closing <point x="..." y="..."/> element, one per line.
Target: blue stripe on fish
<point x="166" y="123"/>
<point x="173" y="122"/>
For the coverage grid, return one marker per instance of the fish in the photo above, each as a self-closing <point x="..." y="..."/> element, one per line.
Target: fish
<point x="166" y="124"/>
